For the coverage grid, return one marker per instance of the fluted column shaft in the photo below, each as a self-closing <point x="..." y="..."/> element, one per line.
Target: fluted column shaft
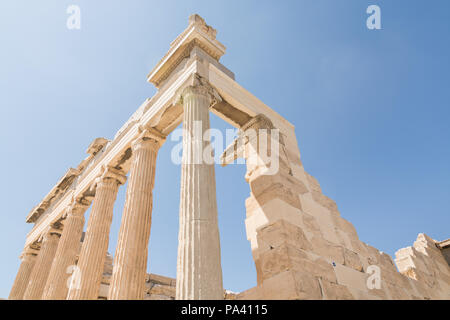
<point x="23" y="276"/>
<point x="130" y="260"/>
<point x="41" y="269"/>
<point x="199" y="271"/>
<point x="57" y="287"/>
<point x="95" y="245"/>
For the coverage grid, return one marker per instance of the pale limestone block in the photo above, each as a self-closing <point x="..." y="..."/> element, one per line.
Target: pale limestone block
<point x="419" y="289"/>
<point x="444" y="293"/>
<point x="359" y="247"/>
<point x="299" y="172"/>
<point x="385" y="260"/>
<point x="363" y="295"/>
<point x="422" y="277"/>
<point x="344" y="238"/>
<point x="326" y="202"/>
<point x="157" y="297"/>
<point x="289" y="258"/>
<point x="405" y="252"/>
<point x="346" y="226"/>
<point x="382" y="293"/>
<point x="313" y="183"/>
<point x="352" y="260"/>
<point x="272" y="211"/>
<point x="279" y="259"/>
<point x="350" y="277"/>
<point x="392" y="277"/>
<point x="329" y="231"/>
<point x="255" y="293"/>
<point x="291" y="285"/>
<point x="322" y="216"/>
<point x="444" y="269"/>
<point x="334" y="291"/>
<point x="411" y="258"/>
<point x="311" y="224"/>
<point x="318" y="267"/>
<point x="328" y="250"/>
<point x="282" y="185"/>
<point x="373" y="254"/>
<point x="228" y="295"/>
<point x="405" y="263"/>
<point x="424" y="241"/>
<point x="281" y="232"/>
<point x="397" y="293"/>
<point x="251" y="206"/>
<point x="161" y="279"/>
<point x="162" y="290"/>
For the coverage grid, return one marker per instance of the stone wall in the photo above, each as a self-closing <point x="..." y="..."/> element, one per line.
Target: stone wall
<point x="304" y="249"/>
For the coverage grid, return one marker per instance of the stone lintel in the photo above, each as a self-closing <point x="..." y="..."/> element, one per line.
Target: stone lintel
<point x="148" y="133"/>
<point x="62" y="186"/>
<point x="49" y="231"/>
<point x="443" y="244"/>
<point x="96" y="145"/>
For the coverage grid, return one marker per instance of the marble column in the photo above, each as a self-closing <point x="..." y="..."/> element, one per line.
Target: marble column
<point x="44" y="261"/>
<point x="28" y="258"/>
<point x="130" y="260"/>
<point x="95" y="245"/>
<point x="57" y="287"/>
<point x="199" y="271"/>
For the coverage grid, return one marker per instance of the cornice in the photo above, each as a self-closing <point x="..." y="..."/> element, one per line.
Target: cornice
<point x="198" y="33"/>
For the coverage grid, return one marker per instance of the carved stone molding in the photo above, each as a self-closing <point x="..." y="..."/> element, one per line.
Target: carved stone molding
<point x="149" y="135"/>
<point x="109" y="174"/>
<point x="199" y="86"/>
<point x="49" y="233"/>
<point x="28" y="251"/>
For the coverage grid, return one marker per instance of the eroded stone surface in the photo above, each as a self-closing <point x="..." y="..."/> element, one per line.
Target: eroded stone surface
<point x="302" y="247"/>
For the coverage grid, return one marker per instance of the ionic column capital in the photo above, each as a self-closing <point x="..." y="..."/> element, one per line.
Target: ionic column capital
<point x="50" y="233"/>
<point x="28" y="252"/>
<point x="201" y="87"/>
<point x="259" y="121"/>
<point x="77" y="208"/>
<point x="111" y="175"/>
<point x="149" y="138"/>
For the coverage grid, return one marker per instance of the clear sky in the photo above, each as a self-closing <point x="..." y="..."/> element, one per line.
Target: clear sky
<point x="371" y="109"/>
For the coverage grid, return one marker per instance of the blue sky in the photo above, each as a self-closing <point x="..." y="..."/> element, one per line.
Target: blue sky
<point x="371" y="109"/>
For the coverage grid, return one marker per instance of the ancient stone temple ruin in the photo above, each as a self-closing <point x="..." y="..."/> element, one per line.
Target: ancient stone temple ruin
<point x="301" y="246"/>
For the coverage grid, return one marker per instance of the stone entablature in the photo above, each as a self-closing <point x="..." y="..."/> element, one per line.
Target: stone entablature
<point x="302" y="247"/>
